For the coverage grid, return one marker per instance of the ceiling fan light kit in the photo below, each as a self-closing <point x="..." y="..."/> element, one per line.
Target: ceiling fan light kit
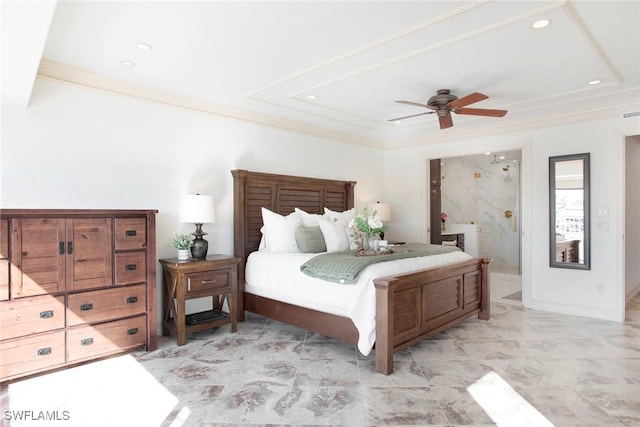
<point x="443" y="103"/>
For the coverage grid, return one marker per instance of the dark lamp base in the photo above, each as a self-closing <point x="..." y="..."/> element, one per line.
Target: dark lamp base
<point x="200" y="246"/>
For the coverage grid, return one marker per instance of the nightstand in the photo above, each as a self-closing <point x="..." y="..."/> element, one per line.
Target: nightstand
<point x="216" y="277"/>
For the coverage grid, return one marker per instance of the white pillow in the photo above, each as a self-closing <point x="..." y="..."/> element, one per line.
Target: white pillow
<point x="307" y="218"/>
<point x="345" y="216"/>
<point x="335" y="235"/>
<point x="263" y="240"/>
<point x="280" y="231"/>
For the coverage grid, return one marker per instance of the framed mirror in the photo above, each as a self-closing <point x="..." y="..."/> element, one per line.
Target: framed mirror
<point x="569" y="221"/>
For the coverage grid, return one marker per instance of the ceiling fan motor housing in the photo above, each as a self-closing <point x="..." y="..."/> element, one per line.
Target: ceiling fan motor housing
<point x="441" y="100"/>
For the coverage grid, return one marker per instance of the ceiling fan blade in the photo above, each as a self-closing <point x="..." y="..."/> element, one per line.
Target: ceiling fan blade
<point x="481" y="112"/>
<point x="417" y="104"/>
<point x="413" y="115"/>
<point x="466" y="100"/>
<point x="445" y="121"/>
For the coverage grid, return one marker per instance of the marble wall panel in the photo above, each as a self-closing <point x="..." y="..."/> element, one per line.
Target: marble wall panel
<point x="485" y="190"/>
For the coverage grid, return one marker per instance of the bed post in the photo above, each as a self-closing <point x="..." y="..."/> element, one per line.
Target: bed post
<point x="384" y="326"/>
<point x="239" y="234"/>
<point x="485" y="301"/>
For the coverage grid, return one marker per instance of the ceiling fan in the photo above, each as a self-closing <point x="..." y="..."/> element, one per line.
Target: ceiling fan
<point x="444" y="103"/>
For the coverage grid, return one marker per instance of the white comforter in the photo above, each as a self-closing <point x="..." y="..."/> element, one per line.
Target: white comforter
<point x="278" y="276"/>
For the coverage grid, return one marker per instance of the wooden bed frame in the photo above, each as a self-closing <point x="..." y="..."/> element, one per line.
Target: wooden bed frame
<point x="409" y="307"/>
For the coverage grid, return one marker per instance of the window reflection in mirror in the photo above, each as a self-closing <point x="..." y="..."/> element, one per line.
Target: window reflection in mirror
<point x="569" y="211"/>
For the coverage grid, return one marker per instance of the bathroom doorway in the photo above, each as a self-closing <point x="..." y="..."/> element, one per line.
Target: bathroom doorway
<point x="482" y="193"/>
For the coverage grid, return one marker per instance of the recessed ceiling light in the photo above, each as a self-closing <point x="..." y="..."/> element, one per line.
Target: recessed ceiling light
<point x="312" y="97"/>
<point x="594" y="82"/>
<point x="487" y="153"/>
<point x="128" y="63"/>
<point x="143" y="46"/>
<point x="397" y="122"/>
<point x="540" y="24"/>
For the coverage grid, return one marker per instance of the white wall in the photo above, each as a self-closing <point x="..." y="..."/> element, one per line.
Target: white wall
<point x="80" y="148"/>
<point x="594" y="293"/>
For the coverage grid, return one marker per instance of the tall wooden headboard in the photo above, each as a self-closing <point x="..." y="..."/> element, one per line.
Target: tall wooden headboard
<point x="280" y="194"/>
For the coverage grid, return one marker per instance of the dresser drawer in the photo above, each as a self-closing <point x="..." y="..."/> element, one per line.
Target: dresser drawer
<point x="207" y="280"/>
<point x="130" y="233"/>
<point x="32" y="354"/>
<point x="130" y="267"/>
<point x="86" y="342"/>
<point x="107" y="304"/>
<point x="31" y="315"/>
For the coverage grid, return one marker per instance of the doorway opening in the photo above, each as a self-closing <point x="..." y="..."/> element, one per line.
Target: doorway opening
<point x="631" y="226"/>
<point x="481" y="198"/>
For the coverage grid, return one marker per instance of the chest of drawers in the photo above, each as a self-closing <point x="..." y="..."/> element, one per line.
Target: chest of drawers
<point x="75" y="285"/>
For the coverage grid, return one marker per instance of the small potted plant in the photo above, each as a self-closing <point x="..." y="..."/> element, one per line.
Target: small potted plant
<point x="182" y="242"/>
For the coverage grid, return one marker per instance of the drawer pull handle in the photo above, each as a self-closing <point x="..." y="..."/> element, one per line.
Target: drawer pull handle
<point x="131" y="267"/>
<point x="86" y="307"/>
<point x="86" y="341"/>
<point x="48" y="314"/>
<point x="132" y="300"/>
<point x="208" y="282"/>
<point x="61" y="248"/>
<point x="130" y="233"/>
<point x="44" y="351"/>
<point x="132" y="331"/>
<point x="69" y="248"/>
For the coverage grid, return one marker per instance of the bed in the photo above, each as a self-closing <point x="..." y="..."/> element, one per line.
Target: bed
<point x="409" y="306"/>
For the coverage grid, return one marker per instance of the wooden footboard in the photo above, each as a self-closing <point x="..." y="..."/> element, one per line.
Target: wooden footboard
<point x="412" y="306"/>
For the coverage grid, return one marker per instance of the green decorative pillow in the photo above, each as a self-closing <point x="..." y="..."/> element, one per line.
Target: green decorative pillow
<point x="310" y="239"/>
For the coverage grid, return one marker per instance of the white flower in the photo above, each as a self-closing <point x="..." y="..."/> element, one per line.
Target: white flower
<point x="374" y="222"/>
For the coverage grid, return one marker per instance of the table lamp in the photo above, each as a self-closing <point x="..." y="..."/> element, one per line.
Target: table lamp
<point x="199" y="210"/>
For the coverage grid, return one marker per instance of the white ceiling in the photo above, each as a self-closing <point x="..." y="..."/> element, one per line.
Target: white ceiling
<point x="258" y="61"/>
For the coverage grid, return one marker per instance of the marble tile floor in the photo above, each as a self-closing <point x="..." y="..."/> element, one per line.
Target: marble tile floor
<point x="521" y="368"/>
<point x="503" y="285"/>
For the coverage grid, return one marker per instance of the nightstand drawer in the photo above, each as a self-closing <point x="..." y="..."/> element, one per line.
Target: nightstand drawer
<point x="130" y="267"/>
<point x="89" y="341"/>
<point x="31" y="315"/>
<point x="207" y="280"/>
<point x="31" y="354"/>
<point x="97" y="306"/>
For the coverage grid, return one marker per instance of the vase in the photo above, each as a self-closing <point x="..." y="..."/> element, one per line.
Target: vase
<point x="442" y="226"/>
<point x="368" y="242"/>
<point x="183" y="254"/>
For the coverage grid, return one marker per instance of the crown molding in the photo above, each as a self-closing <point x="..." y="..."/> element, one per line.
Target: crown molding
<point x="88" y="79"/>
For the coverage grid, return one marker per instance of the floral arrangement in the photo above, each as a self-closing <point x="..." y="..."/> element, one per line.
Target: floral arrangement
<point x="369" y="224"/>
<point x="182" y="241"/>
<point x="443" y="217"/>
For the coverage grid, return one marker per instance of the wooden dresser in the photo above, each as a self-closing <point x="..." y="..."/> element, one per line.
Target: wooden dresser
<point x="75" y="285"/>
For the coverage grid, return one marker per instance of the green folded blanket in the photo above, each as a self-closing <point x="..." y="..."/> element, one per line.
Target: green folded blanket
<point x="344" y="267"/>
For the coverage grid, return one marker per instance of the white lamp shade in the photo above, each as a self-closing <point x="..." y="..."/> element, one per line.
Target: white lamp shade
<point x="197" y="209"/>
<point x="383" y="210"/>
